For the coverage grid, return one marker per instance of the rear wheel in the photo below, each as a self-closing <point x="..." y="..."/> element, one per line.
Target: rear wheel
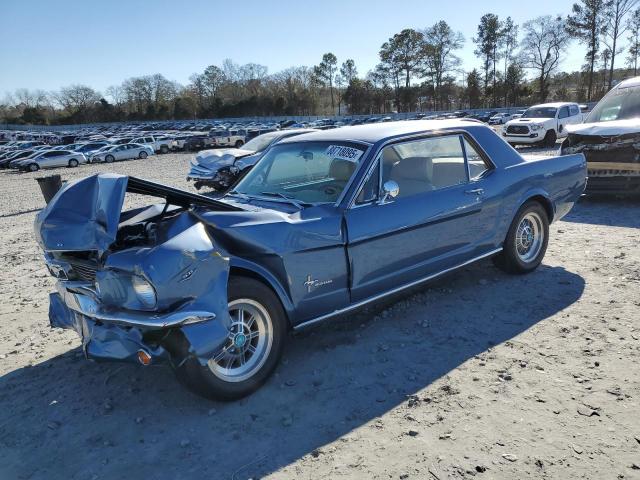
<point x="254" y="345"/>
<point x="142" y="155"/>
<point x="164" y="149"/>
<point x="34" y="167"/>
<point x="526" y="241"/>
<point x="73" y="163"/>
<point x="109" y="158"/>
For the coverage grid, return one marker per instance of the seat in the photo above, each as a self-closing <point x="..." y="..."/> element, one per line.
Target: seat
<point x="341" y="170"/>
<point x="413" y="175"/>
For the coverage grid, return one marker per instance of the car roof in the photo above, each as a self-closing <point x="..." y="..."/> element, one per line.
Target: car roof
<point x="629" y="82"/>
<point x="374" y="132"/>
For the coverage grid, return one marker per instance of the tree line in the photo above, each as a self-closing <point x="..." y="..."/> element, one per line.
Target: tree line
<point x="418" y="70"/>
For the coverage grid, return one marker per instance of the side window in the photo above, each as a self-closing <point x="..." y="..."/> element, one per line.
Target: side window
<point x="371" y="187"/>
<point x="574" y="110"/>
<point x="424" y="165"/>
<point x="476" y="163"/>
<point x="564" y="112"/>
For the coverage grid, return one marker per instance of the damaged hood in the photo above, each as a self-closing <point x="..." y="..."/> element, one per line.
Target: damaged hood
<point x="85" y="214"/>
<point x="214" y="159"/>
<point x="614" y="127"/>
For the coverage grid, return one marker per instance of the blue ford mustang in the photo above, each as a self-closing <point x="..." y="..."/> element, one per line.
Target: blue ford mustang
<point x="325" y="222"/>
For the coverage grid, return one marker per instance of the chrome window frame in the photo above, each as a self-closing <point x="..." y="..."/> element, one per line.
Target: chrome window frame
<point x="415" y="137"/>
<point x="365" y="155"/>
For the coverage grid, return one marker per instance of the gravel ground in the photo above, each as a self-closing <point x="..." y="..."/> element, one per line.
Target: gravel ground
<point x="480" y="374"/>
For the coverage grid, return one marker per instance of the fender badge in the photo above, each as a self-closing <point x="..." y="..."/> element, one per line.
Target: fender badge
<point x="311" y="283"/>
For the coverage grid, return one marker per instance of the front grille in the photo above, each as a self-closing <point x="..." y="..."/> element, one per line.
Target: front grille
<point x="518" y="129"/>
<point x="84" y="270"/>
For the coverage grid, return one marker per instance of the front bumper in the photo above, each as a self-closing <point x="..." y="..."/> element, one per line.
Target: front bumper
<point x="119" y="335"/>
<point x="533" y="137"/>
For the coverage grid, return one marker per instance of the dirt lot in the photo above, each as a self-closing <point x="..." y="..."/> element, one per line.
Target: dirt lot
<point x="480" y="374"/>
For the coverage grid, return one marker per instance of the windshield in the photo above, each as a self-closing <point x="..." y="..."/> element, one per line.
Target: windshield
<point x="260" y="142"/>
<point x="618" y="104"/>
<point x="540" y="112"/>
<point x="308" y="172"/>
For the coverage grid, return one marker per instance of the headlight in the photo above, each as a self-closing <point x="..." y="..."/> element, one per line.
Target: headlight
<point x="535" y="126"/>
<point x="144" y="290"/>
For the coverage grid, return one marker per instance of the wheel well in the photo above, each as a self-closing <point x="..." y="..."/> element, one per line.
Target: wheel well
<point x="243" y="272"/>
<point x="546" y="204"/>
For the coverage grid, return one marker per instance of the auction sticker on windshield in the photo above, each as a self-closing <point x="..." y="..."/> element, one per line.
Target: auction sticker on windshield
<point x="343" y="153"/>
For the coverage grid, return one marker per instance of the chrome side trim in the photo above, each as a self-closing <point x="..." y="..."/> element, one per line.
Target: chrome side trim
<point x="391" y="292"/>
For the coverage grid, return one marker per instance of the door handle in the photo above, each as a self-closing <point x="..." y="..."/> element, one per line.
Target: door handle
<point x="475" y="191"/>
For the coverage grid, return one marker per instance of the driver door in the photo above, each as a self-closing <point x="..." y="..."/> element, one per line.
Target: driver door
<point x="437" y="221"/>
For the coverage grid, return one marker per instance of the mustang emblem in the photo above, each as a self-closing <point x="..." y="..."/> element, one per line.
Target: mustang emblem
<point x="311" y="283"/>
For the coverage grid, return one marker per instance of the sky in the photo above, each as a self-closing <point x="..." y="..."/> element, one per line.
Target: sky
<point x="50" y="44"/>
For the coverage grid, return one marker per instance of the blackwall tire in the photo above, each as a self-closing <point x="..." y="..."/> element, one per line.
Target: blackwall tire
<point x="526" y="241"/>
<point x="550" y="138"/>
<point x="253" y="349"/>
<point x="109" y="158"/>
<point x="143" y="155"/>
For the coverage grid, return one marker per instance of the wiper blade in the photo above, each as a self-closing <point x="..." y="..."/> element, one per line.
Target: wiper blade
<point x="244" y="196"/>
<point x="286" y="198"/>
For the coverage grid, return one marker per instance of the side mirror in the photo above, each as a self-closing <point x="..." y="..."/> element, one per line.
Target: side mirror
<point x="390" y="190"/>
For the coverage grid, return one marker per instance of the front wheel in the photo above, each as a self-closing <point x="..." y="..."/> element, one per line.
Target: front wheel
<point x="254" y="344"/>
<point x="109" y="158"/>
<point x="239" y="143"/>
<point x="164" y="149"/>
<point x="550" y="138"/>
<point x="526" y="241"/>
<point x="34" y="167"/>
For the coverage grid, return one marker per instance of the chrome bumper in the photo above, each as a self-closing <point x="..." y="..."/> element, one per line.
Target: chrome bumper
<point x="81" y="298"/>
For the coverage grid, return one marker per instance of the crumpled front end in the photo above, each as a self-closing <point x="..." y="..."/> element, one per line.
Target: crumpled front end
<point x="216" y="168"/>
<point x="613" y="161"/>
<point x="134" y="285"/>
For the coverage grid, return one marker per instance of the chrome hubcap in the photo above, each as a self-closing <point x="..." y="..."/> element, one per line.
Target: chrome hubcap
<point x="529" y="237"/>
<point x="248" y="342"/>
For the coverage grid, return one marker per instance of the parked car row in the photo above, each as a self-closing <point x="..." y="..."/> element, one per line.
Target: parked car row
<point x="32" y="156"/>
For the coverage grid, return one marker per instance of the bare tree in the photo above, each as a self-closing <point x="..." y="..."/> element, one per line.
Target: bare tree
<point x="545" y="39"/>
<point x="615" y="27"/>
<point x="77" y="100"/>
